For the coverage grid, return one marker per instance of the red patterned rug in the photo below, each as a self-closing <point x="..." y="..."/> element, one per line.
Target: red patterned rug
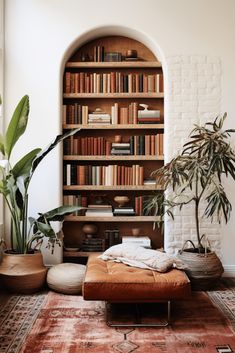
<point x="56" y="323"/>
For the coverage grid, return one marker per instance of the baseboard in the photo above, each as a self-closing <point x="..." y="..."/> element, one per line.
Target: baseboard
<point x="229" y="271"/>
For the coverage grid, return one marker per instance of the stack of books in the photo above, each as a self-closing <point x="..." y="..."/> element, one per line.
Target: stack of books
<point x="99" y="117"/>
<point x="124" y="211"/>
<point x="147" y="116"/>
<point x="99" y="211"/>
<point x="121" y="148"/>
<point x="93" y="244"/>
<point x="140" y="241"/>
<point x="149" y="181"/>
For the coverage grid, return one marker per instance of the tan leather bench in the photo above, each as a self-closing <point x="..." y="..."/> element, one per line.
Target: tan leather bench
<point x="115" y="282"/>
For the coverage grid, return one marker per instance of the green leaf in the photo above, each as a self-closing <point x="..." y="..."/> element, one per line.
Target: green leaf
<point x="45" y="229"/>
<point x="57" y="214"/>
<point x="24" y="165"/>
<point x="57" y="140"/>
<point x="17" y="125"/>
<point x="2" y="145"/>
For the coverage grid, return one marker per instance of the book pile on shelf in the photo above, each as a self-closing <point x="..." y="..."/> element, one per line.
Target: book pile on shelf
<point x="113" y="82"/>
<point x="110" y="175"/>
<point x="99" y="117"/>
<point x="112" y="237"/>
<point x="76" y="200"/>
<point x="93" y="244"/>
<point x="147" y="116"/>
<point x="149" y="181"/>
<point x="121" y="148"/>
<point x="140" y="241"/>
<point x="87" y="146"/>
<point x="123" y="211"/>
<point x="101" y="210"/>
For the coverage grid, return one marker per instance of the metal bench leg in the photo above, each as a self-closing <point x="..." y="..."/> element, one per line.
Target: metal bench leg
<point x="138" y="322"/>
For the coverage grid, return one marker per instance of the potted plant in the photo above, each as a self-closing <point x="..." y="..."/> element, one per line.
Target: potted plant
<point x="27" y="233"/>
<point x="196" y="176"/>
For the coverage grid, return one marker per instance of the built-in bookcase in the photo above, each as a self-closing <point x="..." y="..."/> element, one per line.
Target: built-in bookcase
<point x="103" y="97"/>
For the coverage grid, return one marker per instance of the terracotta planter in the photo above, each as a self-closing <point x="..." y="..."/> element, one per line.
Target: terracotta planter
<point x="204" y="270"/>
<point x="23" y="273"/>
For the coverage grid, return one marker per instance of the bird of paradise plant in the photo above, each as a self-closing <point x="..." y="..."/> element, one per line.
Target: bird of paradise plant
<point x="15" y="181"/>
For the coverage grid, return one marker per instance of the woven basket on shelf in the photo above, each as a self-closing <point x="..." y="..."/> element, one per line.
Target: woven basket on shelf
<point x="204" y="269"/>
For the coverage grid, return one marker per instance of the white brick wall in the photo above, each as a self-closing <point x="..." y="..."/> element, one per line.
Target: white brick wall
<point x="193" y="95"/>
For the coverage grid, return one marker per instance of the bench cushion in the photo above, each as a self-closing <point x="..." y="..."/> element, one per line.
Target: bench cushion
<point x="117" y="282"/>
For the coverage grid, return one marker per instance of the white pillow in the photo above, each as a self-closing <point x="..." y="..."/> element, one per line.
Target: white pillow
<point x="138" y="256"/>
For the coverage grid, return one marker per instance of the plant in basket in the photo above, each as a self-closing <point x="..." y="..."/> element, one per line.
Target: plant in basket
<point x="26" y="232"/>
<point x="196" y="176"/>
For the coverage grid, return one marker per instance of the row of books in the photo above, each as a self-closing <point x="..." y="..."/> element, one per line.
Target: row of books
<point x="148" y="145"/>
<point x="110" y="175"/>
<point x="76" y="200"/>
<point x="79" y="114"/>
<point x="113" y="82"/>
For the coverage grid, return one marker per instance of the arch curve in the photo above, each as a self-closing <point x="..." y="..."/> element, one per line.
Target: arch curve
<point x="110" y="30"/>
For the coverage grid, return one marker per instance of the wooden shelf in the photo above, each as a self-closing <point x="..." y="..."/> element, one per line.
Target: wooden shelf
<point x="112" y="188"/>
<point x="79" y="253"/>
<point x="115" y="127"/>
<point x="113" y="158"/>
<point x="113" y="64"/>
<point x="112" y="219"/>
<point x="113" y="95"/>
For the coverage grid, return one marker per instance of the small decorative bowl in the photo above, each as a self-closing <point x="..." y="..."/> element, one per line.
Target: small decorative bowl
<point x="121" y="200"/>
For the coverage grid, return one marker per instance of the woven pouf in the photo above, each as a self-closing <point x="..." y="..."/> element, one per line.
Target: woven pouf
<point x="66" y="278"/>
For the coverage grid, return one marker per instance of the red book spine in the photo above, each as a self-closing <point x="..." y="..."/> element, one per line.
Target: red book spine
<point x="67" y="87"/>
<point x="92" y="145"/>
<point x="113" y="82"/>
<point x="119" y="175"/>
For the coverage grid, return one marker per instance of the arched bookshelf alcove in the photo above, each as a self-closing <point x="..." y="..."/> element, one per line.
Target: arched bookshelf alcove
<point x="106" y="83"/>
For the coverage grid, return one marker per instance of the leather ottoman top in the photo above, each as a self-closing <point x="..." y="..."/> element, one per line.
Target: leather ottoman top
<point x="111" y="281"/>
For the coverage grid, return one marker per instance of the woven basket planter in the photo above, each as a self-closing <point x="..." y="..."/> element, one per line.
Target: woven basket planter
<point x="204" y="270"/>
<point x="23" y="273"/>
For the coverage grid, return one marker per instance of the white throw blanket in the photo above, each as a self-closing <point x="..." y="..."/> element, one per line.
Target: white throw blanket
<point x="138" y="256"/>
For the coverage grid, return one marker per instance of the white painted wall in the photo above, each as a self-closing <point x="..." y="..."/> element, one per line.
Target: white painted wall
<point x="37" y="34"/>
